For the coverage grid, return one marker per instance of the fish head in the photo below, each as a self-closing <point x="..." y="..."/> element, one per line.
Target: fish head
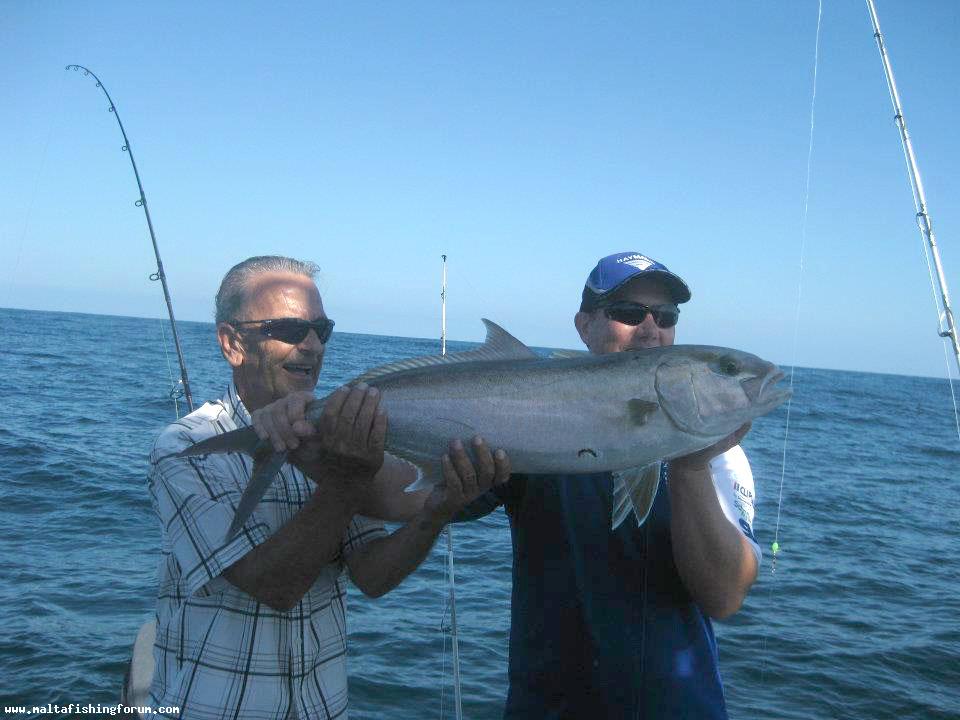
<point x="711" y="391"/>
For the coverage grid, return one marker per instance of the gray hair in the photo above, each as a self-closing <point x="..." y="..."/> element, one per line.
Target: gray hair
<point x="233" y="288"/>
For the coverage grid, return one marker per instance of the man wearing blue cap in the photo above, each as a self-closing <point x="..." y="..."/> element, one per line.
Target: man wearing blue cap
<point x="618" y="624"/>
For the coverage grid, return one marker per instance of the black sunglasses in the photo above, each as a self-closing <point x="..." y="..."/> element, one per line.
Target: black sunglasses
<point x="628" y="313"/>
<point x="291" y="330"/>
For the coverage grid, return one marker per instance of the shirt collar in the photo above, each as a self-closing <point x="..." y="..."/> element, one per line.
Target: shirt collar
<point x="234" y="405"/>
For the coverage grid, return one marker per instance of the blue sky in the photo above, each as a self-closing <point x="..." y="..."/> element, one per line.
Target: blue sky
<point x="524" y="140"/>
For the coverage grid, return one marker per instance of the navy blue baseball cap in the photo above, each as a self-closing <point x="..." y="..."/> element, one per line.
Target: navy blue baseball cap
<point x="614" y="271"/>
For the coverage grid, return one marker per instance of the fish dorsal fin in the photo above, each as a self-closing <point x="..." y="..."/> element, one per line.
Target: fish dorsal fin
<point x="565" y="354"/>
<point x="499" y="345"/>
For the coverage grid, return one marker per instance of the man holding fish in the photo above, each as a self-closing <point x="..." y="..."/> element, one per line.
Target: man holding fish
<point x="251" y="622"/>
<point x="617" y="624"/>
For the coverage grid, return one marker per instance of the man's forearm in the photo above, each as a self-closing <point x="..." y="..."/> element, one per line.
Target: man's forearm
<point x="712" y="556"/>
<point x="280" y="570"/>
<point x="382" y="564"/>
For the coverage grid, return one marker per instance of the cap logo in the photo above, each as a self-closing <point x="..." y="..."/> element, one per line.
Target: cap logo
<point x="640" y="262"/>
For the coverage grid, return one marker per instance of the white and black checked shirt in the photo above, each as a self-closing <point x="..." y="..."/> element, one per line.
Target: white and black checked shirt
<point x="219" y="652"/>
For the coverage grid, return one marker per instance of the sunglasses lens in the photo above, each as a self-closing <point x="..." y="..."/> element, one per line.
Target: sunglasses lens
<point x="325" y="331"/>
<point x="665" y="316"/>
<point x="288" y="331"/>
<point x="293" y="331"/>
<point x="627" y="316"/>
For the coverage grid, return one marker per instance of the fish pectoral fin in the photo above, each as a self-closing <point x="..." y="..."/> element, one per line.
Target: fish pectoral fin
<point x="243" y="440"/>
<point x="428" y="473"/>
<point x="428" y="476"/>
<point x="266" y="465"/>
<point x="634" y="489"/>
<point x="639" y="411"/>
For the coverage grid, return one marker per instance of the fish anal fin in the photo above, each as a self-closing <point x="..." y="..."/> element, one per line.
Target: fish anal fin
<point x="634" y="489"/>
<point x="639" y="411"/>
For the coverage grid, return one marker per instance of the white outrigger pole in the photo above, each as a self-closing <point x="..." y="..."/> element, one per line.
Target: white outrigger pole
<point x="454" y="640"/>
<point x="947" y="328"/>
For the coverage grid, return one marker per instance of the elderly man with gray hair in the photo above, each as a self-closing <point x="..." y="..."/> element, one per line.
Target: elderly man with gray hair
<point x="255" y="626"/>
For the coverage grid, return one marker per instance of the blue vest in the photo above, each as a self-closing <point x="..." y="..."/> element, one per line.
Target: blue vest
<point x="601" y="625"/>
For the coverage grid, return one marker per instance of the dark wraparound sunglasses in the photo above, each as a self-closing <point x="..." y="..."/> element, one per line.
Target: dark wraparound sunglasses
<point x="291" y="330"/>
<point x="628" y="313"/>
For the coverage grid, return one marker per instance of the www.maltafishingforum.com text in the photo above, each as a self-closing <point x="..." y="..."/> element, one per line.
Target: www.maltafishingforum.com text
<point x="88" y="709"/>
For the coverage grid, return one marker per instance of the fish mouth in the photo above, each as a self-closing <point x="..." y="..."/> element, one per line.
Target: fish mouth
<point x="763" y="389"/>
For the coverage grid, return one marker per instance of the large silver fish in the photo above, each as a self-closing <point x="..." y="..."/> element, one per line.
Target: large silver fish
<point x="624" y="412"/>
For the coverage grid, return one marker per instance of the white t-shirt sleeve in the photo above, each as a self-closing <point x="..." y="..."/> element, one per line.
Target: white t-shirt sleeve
<point x="733" y="481"/>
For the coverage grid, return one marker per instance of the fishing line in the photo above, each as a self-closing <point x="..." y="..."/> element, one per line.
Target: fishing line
<point x="173" y="383"/>
<point x="803" y="242"/>
<point x="775" y="547"/>
<point x="444" y="631"/>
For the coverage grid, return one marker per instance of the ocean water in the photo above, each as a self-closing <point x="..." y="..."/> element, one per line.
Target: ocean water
<point x="859" y="619"/>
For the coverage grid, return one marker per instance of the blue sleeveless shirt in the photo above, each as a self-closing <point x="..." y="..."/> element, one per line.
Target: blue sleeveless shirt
<point x="601" y="624"/>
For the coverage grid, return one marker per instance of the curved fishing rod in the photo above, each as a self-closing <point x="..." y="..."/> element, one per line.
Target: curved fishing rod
<point x="916" y="185"/>
<point x="159" y="274"/>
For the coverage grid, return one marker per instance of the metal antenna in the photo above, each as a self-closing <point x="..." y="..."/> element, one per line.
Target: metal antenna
<point x="159" y="274"/>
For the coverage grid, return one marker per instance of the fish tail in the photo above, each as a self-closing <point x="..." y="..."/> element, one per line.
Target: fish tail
<point x="266" y="465"/>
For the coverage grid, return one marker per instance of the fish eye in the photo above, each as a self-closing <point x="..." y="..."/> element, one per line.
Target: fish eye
<point x="726" y="366"/>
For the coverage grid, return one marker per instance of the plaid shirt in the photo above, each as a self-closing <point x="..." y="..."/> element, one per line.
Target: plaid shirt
<point x="219" y="652"/>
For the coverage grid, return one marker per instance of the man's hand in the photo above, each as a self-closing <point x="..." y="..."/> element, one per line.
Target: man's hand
<point x="283" y="422"/>
<point x="700" y="460"/>
<point x="350" y="437"/>
<point x="465" y="481"/>
<point x="347" y="442"/>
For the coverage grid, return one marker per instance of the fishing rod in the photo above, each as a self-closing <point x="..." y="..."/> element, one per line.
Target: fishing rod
<point x="184" y="389"/>
<point x="454" y="638"/>
<point x="916" y="185"/>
